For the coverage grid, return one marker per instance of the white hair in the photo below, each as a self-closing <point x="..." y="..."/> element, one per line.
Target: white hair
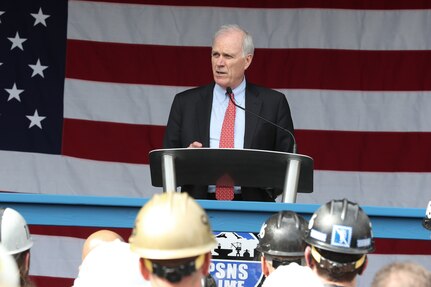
<point x="247" y="43"/>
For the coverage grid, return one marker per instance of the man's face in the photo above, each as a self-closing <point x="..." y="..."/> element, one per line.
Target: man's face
<point x="228" y="62"/>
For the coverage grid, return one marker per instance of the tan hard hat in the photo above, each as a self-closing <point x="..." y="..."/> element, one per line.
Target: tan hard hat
<point x="171" y="225"/>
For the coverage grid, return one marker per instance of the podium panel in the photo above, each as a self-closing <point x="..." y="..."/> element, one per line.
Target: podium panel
<point x="245" y="167"/>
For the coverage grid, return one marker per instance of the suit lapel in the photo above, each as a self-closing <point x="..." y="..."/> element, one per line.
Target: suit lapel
<point x="253" y="103"/>
<point x="203" y="114"/>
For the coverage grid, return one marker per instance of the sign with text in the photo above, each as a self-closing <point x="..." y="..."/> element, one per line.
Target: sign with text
<point x="236" y="262"/>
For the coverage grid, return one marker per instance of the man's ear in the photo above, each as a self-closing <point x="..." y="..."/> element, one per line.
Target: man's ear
<point x="248" y="60"/>
<point x="206" y="266"/>
<point x="27" y="262"/>
<point x="364" y="266"/>
<point x="307" y="256"/>
<point x="264" y="266"/>
<point x="144" y="270"/>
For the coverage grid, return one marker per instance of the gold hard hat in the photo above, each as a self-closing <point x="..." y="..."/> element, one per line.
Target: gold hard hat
<point x="171" y="225"/>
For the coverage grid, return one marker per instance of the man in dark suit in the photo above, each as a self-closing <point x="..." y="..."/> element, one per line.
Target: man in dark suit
<point x="197" y="114"/>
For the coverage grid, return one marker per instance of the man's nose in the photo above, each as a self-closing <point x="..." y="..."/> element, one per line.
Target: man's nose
<point x="220" y="61"/>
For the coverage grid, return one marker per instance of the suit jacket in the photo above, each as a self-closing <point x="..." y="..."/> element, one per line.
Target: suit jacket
<point x="189" y="121"/>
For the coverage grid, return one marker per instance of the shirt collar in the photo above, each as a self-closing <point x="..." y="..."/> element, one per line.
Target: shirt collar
<point x="220" y="92"/>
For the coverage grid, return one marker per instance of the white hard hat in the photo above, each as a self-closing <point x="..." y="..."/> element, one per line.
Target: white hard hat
<point x="14" y="233"/>
<point x="9" y="274"/>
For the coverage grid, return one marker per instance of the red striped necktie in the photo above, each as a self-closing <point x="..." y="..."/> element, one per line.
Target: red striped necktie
<point x="227" y="139"/>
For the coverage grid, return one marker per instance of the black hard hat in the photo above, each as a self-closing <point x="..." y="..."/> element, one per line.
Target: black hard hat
<point x="283" y="234"/>
<point x="341" y="226"/>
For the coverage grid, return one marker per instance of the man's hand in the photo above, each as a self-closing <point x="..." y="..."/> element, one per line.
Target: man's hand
<point x="195" y="145"/>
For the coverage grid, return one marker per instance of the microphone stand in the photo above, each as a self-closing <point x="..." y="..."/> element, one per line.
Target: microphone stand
<point x="229" y="93"/>
<point x="293" y="166"/>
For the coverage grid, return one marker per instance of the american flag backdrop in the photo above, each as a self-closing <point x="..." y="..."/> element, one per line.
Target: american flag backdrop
<point x="86" y="88"/>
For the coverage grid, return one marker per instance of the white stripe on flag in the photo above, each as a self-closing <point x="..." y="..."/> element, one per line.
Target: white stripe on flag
<point x="349" y="110"/>
<point x="56" y="256"/>
<point x="54" y="174"/>
<point x="32" y="173"/>
<point x="132" y="104"/>
<point x="396" y="189"/>
<point x="285" y="28"/>
<point x="360" y="110"/>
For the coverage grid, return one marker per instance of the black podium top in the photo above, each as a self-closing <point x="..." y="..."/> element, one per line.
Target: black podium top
<point x="247" y="167"/>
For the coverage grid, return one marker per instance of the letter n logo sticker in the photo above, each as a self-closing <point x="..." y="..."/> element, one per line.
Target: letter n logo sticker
<point x="341" y="236"/>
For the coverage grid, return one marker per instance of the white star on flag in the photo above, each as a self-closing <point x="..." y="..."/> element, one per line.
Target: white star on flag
<point x="35" y="120"/>
<point x="1" y="13"/>
<point x="17" y="42"/>
<point x="38" y="69"/>
<point x="14" y="93"/>
<point x="39" y="17"/>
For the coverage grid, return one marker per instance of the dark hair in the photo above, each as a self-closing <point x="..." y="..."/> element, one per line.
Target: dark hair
<point x="20" y="259"/>
<point x="336" y="273"/>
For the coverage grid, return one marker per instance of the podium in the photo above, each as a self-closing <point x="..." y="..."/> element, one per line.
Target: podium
<point x="289" y="172"/>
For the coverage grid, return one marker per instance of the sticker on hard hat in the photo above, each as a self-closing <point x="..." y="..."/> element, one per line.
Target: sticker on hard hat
<point x="318" y="235"/>
<point x="262" y="231"/>
<point x="341" y="235"/>
<point x="364" y="242"/>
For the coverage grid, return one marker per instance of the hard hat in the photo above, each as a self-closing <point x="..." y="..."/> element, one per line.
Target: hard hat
<point x="9" y="274"/>
<point x="171" y="225"/>
<point x="14" y="233"/>
<point x="341" y="226"/>
<point x="283" y="234"/>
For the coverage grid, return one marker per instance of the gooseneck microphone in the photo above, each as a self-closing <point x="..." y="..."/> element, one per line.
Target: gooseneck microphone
<point x="229" y="93"/>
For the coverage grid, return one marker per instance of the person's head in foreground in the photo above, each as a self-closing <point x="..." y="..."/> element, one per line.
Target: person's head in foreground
<point x="9" y="274"/>
<point x="402" y="274"/>
<point x="16" y="239"/>
<point x="173" y="237"/>
<point x="98" y="238"/>
<point x="340" y="237"/>
<point x="282" y="240"/>
<point x="108" y="261"/>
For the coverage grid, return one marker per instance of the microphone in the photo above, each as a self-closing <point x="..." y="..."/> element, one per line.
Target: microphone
<point x="229" y="93"/>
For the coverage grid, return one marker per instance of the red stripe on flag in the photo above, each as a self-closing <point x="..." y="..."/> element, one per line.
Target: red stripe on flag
<point x="383" y="245"/>
<point x="75" y="231"/>
<point x="336" y="4"/>
<point x="46" y="281"/>
<point x="402" y="246"/>
<point x="138" y="64"/>
<point x="291" y="68"/>
<point x="331" y="150"/>
<point x="110" y="141"/>
<point x="367" y="151"/>
<point x="342" y="69"/>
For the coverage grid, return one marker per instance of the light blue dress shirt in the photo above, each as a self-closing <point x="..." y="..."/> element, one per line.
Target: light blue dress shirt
<point x="219" y="106"/>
